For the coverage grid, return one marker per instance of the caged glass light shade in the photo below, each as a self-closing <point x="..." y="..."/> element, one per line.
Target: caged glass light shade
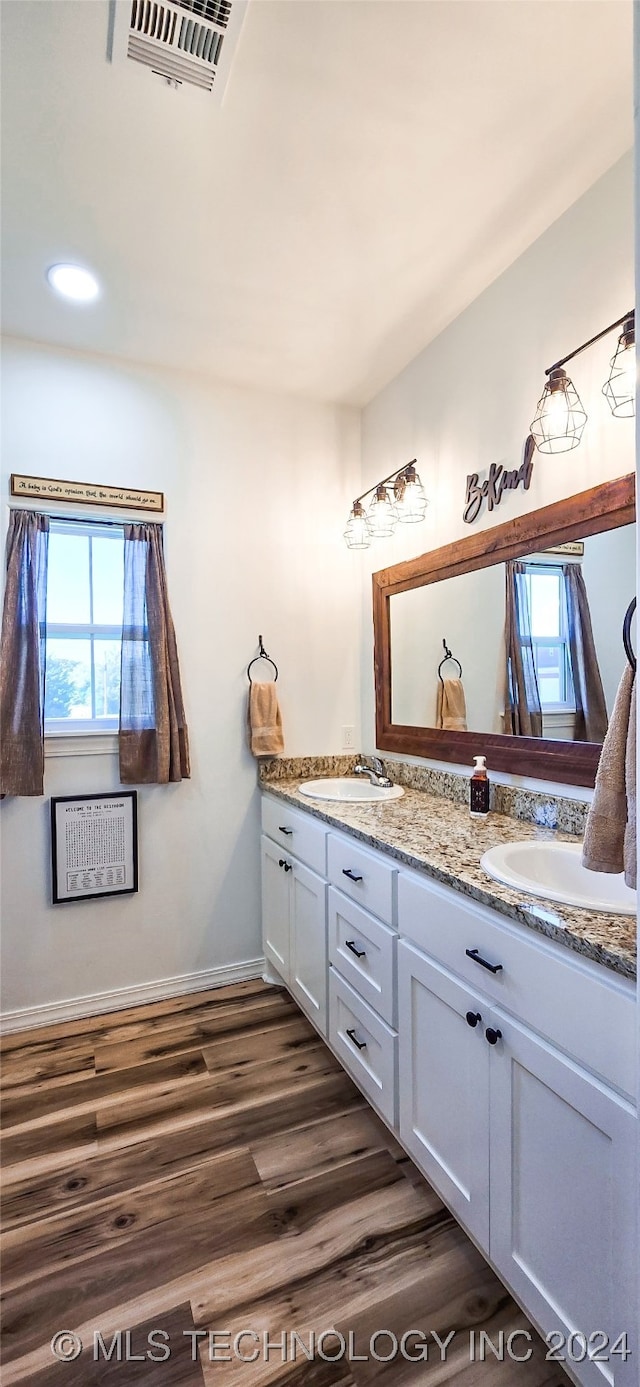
<point x="410" y="500"/>
<point x="357" y="534"/>
<point x="620" y="388"/>
<point x="560" y="417"/>
<point x="382" y="515"/>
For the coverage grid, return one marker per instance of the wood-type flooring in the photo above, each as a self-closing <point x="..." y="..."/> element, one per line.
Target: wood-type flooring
<point x="204" y="1167"/>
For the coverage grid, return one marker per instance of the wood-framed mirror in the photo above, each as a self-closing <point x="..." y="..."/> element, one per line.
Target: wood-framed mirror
<point x="412" y="618"/>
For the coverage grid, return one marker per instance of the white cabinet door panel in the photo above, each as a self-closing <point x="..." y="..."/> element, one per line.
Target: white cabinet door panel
<point x="444" y="1085"/>
<point x="308" y="960"/>
<point x="275" y="907"/>
<point x="562" y="1158"/>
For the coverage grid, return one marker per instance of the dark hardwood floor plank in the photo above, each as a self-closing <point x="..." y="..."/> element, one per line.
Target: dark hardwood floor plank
<point x="226" y="1018"/>
<point x="135" y="1020"/>
<point x="205" y="1163"/>
<point x="282" y="1160"/>
<point x="178" y="1369"/>
<point x="30" y="1105"/>
<point x="57" y="1241"/>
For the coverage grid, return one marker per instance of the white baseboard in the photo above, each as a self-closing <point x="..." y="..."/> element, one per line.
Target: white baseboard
<point x="24" y="1018"/>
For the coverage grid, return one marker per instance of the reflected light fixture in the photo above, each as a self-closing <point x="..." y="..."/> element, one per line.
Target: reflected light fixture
<point x="620" y="388"/>
<point x="560" y="415"/>
<point x="73" y="282"/>
<point x="400" y="497"/>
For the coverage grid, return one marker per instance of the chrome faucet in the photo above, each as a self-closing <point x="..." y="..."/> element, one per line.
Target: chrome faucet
<point x="375" y="772"/>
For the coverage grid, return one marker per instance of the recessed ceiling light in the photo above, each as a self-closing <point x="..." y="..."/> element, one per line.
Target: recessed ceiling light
<point x="73" y="283"/>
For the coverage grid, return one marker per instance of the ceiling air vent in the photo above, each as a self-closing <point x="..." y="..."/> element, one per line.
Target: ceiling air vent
<point x="190" y="41"/>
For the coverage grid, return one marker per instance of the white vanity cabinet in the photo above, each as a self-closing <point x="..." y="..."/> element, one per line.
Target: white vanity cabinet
<point x="504" y="1061"/>
<point x="531" y="1147"/>
<point x="294" y="909"/>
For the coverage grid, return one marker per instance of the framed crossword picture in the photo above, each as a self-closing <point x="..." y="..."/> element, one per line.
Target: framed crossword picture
<point x="94" y="846"/>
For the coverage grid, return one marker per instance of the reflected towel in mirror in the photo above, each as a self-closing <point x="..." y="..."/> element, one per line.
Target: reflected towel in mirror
<point x="451" y="711"/>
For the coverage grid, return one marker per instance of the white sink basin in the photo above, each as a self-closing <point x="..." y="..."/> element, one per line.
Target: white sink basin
<point x="349" y="789"/>
<point x="555" y="871"/>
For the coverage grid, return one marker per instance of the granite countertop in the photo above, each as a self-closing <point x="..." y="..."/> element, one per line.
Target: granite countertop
<point x="437" y="836"/>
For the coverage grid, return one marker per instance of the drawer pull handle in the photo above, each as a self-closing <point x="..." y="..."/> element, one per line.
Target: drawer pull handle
<point x="493" y="1036"/>
<point x="491" y="967"/>
<point x="286" y="865"/>
<point x="282" y="829"/>
<point x="361" y="1044"/>
<point x="473" y="1017"/>
<point x="351" y="944"/>
<point x="346" y="872"/>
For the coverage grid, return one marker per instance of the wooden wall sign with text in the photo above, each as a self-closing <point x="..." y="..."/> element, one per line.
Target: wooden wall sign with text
<point x="498" y="481"/>
<point x="86" y="493"/>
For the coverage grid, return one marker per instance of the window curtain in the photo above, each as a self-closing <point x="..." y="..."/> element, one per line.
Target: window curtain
<point x="523" y="714"/>
<point x="22" y="655"/>
<point x="153" y="738"/>
<point x="591" y="708"/>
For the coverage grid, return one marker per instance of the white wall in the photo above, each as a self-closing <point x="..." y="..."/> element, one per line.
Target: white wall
<point x="469" y="398"/>
<point x="254" y="487"/>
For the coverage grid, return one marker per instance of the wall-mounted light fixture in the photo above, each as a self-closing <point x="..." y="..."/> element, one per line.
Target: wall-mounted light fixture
<point x="560" y="415"/>
<point x="620" y="389"/>
<point x="398" y="498"/>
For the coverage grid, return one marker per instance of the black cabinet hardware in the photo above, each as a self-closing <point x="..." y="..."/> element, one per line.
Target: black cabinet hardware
<point x="351" y="944"/>
<point x="282" y="829"/>
<point x="491" y="967"/>
<point x="493" y="1036"/>
<point x="361" y="1044"/>
<point x="346" y="872"/>
<point x="286" y="865"/>
<point x="473" y="1017"/>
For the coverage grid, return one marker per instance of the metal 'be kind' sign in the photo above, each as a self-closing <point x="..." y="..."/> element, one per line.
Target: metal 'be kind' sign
<point x="499" y="480"/>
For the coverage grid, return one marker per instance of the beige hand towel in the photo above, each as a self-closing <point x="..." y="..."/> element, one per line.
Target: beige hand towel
<point x="610" y="826"/>
<point x="265" y="720"/>
<point x="451" y="711"/>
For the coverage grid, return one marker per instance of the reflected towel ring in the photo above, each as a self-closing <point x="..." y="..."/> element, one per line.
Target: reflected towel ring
<point x="262" y="656"/>
<point x="626" y="634"/>
<point x="448" y="656"/>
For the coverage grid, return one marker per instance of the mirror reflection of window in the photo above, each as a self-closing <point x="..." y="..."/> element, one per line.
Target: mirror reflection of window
<point x="550" y="637"/>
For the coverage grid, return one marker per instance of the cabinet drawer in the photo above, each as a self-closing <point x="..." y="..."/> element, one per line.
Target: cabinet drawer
<point x="296" y="831"/>
<point x="364" y="951"/>
<point x="367" y="877"/>
<point x="365" y="1045"/>
<point x="582" y="1008"/>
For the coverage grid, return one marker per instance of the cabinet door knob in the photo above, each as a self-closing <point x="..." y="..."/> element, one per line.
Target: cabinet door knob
<point x="473" y="1017"/>
<point x="346" y="872"/>
<point x="493" y="1036"/>
<point x="286" y="865"/>
<point x="351" y="944"/>
<point x="484" y="963"/>
<point x="361" y="1044"/>
<point x="282" y="829"/>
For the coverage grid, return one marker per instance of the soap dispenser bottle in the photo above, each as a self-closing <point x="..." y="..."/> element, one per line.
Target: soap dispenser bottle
<point x="479" y="789"/>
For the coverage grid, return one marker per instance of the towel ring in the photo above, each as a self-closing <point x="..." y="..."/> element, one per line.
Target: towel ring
<point x="448" y="656"/>
<point x="626" y="634"/>
<point x="262" y="656"/>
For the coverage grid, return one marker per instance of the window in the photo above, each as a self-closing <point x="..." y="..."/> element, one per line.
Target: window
<point x="84" y="626"/>
<point x="550" y="636"/>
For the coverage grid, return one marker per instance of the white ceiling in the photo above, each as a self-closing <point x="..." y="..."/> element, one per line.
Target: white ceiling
<point x="375" y="165"/>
